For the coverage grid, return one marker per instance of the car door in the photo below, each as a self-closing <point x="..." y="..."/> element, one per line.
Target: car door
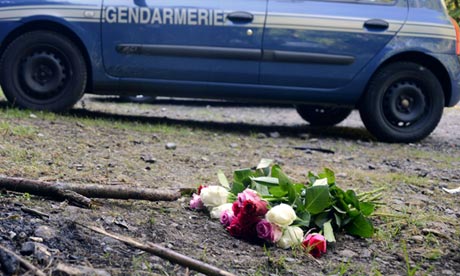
<point x="191" y="40"/>
<point x="323" y="44"/>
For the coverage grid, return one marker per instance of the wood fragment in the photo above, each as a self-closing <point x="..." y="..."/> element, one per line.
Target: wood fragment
<point x="164" y="253"/>
<point x="24" y="262"/>
<point x="49" y="189"/>
<point x="35" y="212"/>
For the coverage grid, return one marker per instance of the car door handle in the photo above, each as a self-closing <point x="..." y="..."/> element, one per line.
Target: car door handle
<point x="376" y="25"/>
<point x="240" y="17"/>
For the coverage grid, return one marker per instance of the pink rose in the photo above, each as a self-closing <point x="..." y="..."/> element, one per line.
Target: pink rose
<point x="196" y="203"/>
<point x="227" y="217"/>
<point x="315" y="244"/>
<point x="268" y="231"/>
<point x="247" y="194"/>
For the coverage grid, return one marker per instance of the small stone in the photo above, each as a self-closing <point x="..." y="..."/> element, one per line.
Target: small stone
<point x="36" y="239"/>
<point x="27" y="248"/>
<point x="261" y="135"/>
<point x="233" y="145"/>
<point x="8" y="263"/>
<point x="33" y="116"/>
<point x="42" y="255"/>
<point x="275" y="134"/>
<point x="41" y="135"/>
<point x="371" y="167"/>
<point x="347" y="253"/>
<point x="45" y="232"/>
<point x="12" y="234"/>
<point x="418" y="239"/>
<point x="170" y="146"/>
<point x="148" y="159"/>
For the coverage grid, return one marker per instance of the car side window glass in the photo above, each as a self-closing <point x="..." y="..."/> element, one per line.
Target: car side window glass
<point x="381" y="2"/>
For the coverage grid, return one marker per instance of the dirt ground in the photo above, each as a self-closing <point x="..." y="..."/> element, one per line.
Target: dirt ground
<point x="106" y="141"/>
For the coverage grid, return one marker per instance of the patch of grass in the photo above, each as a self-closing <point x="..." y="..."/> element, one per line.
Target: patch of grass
<point x="21" y="131"/>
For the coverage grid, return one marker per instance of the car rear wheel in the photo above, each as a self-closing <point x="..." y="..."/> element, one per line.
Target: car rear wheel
<point x="403" y="103"/>
<point x="43" y="70"/>
<point x="322" y="115"/>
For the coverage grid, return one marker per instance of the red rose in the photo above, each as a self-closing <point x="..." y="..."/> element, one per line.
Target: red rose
<point x="244" y="226"/>
<point x="254" y="208"/>
<point x="235" y="208"/>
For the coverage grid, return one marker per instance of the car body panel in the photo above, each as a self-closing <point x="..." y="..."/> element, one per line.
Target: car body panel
<point x="188" y="40"/>
<point x="177" y="61"/>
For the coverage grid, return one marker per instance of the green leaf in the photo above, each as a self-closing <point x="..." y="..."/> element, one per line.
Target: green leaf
<point x="276" y="191"/>
<point x="303" y="219"/>
<point x="329" y="174"/>
<point x="317" y="199"/>
<point x="262" y="189"/>
<point x="237" y="187"/>
<point x="360" y="226"/>
<point x="298" y="187"/>
<point x="366" y="208"/>
<point x="266" y="180"/>
<point x="223" y="179"/>
<point x="338" y="220"/>
<point x="312" y="177"/>
<point x="285" y="183"/>
<point x="264" y="163"/>
<point x="328" y="232"/>
<point x="321" y="219"/>
<point x="351" y="198"/>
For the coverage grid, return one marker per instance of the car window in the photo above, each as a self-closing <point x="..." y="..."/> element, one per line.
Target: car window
<point x="381" y="2"/>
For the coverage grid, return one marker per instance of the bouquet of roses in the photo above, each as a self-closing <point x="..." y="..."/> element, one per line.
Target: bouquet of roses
<point x="264" y="204"/>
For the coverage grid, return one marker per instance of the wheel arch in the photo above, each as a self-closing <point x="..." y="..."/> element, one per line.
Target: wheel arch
<point x="48" y="25"/>
<point x="427" y="61"/>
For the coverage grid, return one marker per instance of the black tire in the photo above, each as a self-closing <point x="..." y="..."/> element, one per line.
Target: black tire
<point x="403" y="103"/>
<point x="323" y="115"/>
<point x="43" y="70"/>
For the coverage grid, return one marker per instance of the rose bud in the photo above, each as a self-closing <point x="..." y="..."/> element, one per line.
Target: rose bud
<point x="282" y="215"/>
<point x="226" y="217"/>
<point x="196" y="203"/>
<point x="213" y="196"/>
<point x="315" y="244"/>
<point x="247" y="194"/>
<point x="216" y="212"/>
<point x="268" y="231"/>
<point x="292" y="235"/>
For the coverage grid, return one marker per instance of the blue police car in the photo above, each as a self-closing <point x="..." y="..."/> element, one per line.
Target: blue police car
<point x="394" y="60"/>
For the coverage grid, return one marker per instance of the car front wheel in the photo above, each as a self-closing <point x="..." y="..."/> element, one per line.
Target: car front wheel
<point x="43" y="70"/>
<point x="403" y="103"/>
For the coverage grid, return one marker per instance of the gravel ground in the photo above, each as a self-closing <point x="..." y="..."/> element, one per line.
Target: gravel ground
<point x="106" y="141"/>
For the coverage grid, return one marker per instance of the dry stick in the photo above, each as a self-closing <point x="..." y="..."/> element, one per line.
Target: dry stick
<point x="42" y="188"/>
<point x="164" y="253"/>
<point x="24" y="262"/>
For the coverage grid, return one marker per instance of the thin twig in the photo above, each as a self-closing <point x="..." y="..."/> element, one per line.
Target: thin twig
<point x="164" y="253"/>
<point x="24" y="262"/>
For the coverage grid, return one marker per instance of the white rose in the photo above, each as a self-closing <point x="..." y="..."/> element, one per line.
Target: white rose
<point x="213" y="196"/>
<point x="216" y="212"/>
<point x="282" y="215"/>
<point x="292" y="235"/>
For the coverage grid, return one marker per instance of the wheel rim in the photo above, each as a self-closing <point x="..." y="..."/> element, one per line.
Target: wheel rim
<point x="405" y="104"/>
<point x="42" y="73"/>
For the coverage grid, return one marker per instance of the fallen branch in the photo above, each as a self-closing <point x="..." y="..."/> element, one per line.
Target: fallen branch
<point x="57" y="190"/>
<point x="24" y="262"/>
<point x="164" y="253"/>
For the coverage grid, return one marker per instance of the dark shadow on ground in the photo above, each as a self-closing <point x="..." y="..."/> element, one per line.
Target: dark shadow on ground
<point x="337" y="132"/>
<point x="188" y="102"/>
